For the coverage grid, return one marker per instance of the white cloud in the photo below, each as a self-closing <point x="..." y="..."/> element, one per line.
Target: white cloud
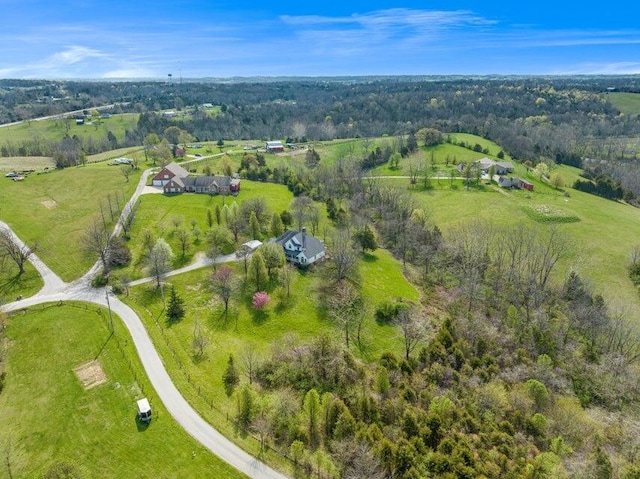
<point x="72" y="55"/>
<point x="613" y="68"/>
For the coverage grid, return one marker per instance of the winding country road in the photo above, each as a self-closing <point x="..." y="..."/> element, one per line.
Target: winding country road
<point x="55" y="289"/>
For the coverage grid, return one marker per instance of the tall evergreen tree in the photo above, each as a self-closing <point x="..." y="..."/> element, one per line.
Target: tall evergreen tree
<point x="175" y="308"/>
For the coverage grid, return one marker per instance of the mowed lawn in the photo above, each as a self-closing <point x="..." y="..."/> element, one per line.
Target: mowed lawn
<point x="13" y="285"/>
<point x="54" y="209"/>
<point x="157" y="212"/>
<point x="47" y="416"/>
<point x="55" y="129"/>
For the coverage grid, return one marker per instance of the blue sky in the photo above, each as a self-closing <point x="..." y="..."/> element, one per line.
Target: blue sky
<point x="198" y="38"/>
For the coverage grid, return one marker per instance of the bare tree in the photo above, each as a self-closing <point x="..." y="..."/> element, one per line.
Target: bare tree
<point x="15" y="250"/>
<point x="184" y="240"/>
<point x="128" y="216"/>
<point x="96" y="241"/>
<point x="249" y="360"/>
<point x="344" y="263"/>
<point x="286" y="277"/>
<point x="345" y="305"/>
<point x="200" y="341"/>
<point x="359" y="461"/>
<point x="414" y="328"/>
<point x="223" y="284"/>
<point x="302" y="209"/>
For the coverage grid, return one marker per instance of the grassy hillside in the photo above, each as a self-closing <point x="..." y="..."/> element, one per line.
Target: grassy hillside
<point x="627" y="103"/>
<point x="48" y="417"/>
<point x="55" y="208"/>
<point x="55" y="129"/>
<point x="298" y="317"/>
<point x="20" y="163"/>
<point x="600" y="242"/>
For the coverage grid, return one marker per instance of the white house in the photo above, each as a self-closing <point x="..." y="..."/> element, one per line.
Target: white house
<point x="300" y="248"/>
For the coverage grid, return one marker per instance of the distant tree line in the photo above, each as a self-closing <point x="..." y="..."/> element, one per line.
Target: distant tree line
<point x="562" y="118"/>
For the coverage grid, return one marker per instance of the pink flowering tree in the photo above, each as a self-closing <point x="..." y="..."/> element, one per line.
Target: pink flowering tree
<point x="260" y="300"/>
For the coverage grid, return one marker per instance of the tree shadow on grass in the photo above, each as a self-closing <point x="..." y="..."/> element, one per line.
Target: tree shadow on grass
<point x="151" y="295"/>
<point x="221" y="321"/>
<point x="369" y="258"/>
<point x="284" y="303"/>
<point x="259" y="316"/>
<point x="10" y="286"/>
<point x="365" y="348"/>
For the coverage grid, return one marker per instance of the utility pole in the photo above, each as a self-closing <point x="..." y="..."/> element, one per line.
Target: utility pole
<point x="106" y="293"/>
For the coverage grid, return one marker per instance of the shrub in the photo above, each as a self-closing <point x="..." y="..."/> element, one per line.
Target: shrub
<point x="388" y="311"/>
<point x="260" y="300"/>
<point x="99" y="281"/>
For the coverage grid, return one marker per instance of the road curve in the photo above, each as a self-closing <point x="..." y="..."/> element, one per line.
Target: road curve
<point x="81" y="290"/>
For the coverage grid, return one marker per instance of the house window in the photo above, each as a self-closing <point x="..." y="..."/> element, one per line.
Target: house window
<point x="166" y="176"/>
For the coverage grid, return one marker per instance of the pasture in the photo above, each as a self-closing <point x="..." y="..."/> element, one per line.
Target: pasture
<point x="601" y="234"/>
<point x="55" y="209"/>
<point x="55" y="129"/>
<point x="48" y="416"/>
<point x="627" y="103"/>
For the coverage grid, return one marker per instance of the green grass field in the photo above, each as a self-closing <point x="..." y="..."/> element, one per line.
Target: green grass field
<point x="627" y="103"/>
<point x="12" y="285"/>
<point x="600" y="241"/>
<point x="200" y="380"/>
<point x="55" y="208"/>
<point x="55" y="129"/>
<point x="47" y="416"/>
<point x="111" y="154"/>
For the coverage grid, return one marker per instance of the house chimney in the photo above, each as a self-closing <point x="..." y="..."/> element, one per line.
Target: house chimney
<point x="304" y="237"/>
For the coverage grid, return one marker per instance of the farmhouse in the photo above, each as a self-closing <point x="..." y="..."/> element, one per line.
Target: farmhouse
<point x="300" y="248"/>
<point x="175" y="179"/>
<point x="501" y="167"/>
<point x="506" y="181"/>
<point x="274" y="146"/>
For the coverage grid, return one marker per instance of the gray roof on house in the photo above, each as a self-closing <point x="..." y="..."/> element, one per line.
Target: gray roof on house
<point x="310" y="245"/>
<point x="177" y="170"/>
<point x="486" y="163"/>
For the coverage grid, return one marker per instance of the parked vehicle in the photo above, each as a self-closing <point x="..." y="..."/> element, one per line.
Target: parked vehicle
<point x="11" y="174"/>
<point x="144" y="410"/>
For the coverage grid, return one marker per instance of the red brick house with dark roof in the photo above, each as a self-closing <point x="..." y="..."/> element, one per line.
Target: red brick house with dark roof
<point x="169" y="172"/>
<point x="175" y="179"/>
